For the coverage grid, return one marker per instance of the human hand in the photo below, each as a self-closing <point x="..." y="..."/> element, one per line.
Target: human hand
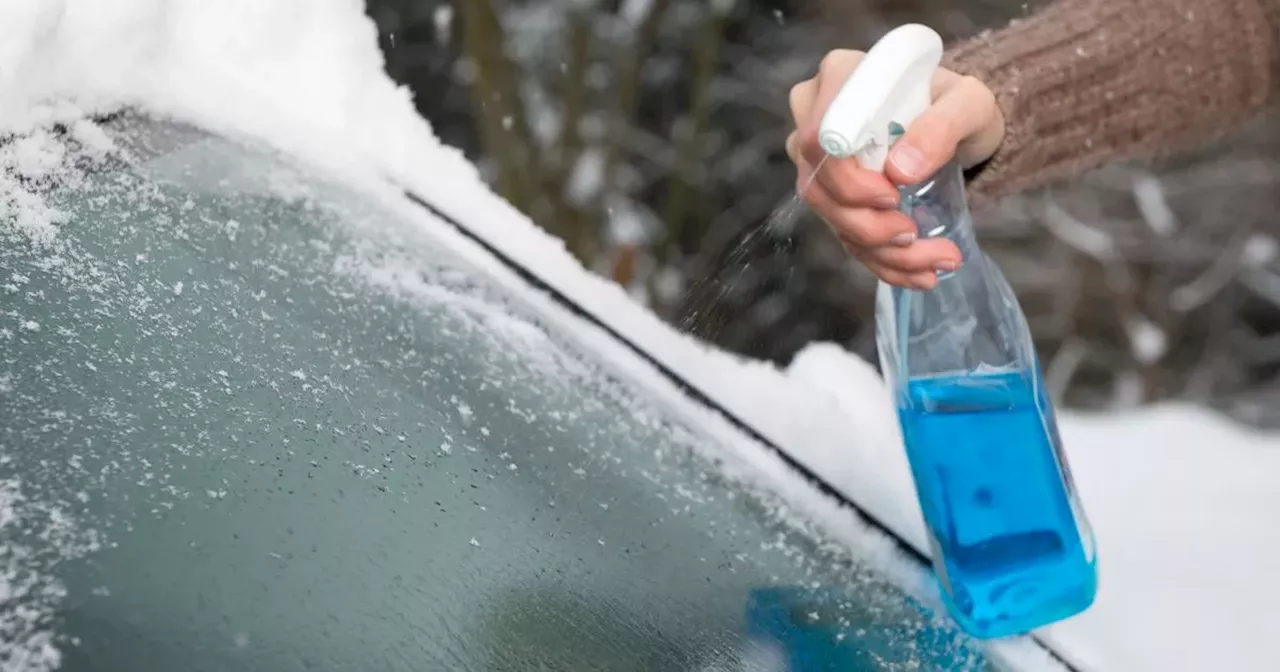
<point x="861" y="205"/>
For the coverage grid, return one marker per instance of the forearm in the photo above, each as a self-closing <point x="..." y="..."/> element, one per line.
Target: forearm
<point x="1087" y="82"/>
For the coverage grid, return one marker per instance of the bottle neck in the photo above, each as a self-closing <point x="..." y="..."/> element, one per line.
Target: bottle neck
<point x="939" y="208"/>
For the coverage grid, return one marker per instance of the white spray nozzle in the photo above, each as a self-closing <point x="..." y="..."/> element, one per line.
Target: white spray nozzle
<point x="887" y="91"/>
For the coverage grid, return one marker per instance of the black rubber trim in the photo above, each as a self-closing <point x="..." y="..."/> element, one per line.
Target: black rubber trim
<point x="697" y="394"/>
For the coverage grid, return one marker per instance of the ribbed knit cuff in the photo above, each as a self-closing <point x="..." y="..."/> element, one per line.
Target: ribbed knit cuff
<point x="1086" y="82"/>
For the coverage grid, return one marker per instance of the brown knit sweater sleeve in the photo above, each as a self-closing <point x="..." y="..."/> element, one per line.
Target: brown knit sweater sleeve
<point x="1086" y="82"/>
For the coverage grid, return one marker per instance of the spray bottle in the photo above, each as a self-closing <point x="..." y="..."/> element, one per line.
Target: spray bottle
<point x="1012" y="548"/>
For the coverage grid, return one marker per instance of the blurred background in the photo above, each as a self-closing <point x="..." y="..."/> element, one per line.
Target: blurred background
<point x="648" y="135"/>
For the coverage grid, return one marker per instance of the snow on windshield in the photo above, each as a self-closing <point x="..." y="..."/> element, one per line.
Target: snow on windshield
<point x="1178" y="497"/>
<point x="36" y="531"/>
<point x="30" y="528"/>
<point x="26" y="643"/>
<point x="33" y="160"/>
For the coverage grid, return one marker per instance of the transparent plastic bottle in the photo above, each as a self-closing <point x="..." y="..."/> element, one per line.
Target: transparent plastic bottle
<point x="1012" y="546"/>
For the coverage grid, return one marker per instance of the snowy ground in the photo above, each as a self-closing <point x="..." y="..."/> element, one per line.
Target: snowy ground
<point x="1181" y="500"/>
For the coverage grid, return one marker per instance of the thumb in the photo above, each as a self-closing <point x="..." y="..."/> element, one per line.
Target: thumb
<point x="965" y="114"/>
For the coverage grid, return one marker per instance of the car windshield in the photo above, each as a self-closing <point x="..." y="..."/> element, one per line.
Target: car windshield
<point x="252" y="418"/>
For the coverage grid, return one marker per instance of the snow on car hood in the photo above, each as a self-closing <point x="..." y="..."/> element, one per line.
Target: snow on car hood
<point x="1178" y="496"/>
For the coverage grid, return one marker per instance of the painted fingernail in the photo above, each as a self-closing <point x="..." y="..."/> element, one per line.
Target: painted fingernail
<point x="887" y="203"/>
<point x="922" y="282"/>
<point x="945" y="266"/>
<point x="911" y="161"/>
<point x="904" y="239"/>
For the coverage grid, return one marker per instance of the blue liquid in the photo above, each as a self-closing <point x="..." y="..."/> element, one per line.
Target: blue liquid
<point x="986" y="466"/>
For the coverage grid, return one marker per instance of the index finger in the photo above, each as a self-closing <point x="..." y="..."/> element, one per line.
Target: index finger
<point x="833" y="72"/>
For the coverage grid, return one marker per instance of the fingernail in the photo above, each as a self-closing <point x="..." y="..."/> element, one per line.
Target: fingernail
<point x="911" y="161"/>
<point x="887" y="202"/>
<point x="924" y="283"/>
<point x="945" y="266"/>
<point x="904" y="239"/>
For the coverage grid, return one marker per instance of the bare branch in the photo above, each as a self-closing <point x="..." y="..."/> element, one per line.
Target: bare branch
<point x="504" y="129"/>
<point x="580" y="228"/>
<point x="689" y="134"/>
<point x="1212" y="281"/>
<point x="628" y="74"/>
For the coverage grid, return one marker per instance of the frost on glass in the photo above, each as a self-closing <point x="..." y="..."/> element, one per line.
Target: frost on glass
<point x="301" y="433"/>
